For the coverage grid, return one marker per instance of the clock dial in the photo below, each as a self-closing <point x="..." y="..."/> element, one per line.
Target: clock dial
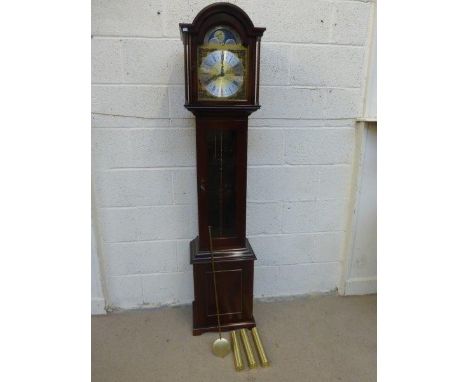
<point x="221" y="73"/>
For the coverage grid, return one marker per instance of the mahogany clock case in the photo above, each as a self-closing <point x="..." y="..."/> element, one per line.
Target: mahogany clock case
<point x="221" y="140"/>
<point x="234" y="257"/>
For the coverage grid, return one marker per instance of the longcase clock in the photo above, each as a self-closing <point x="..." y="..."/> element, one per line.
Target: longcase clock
<point x="222" y="53"/>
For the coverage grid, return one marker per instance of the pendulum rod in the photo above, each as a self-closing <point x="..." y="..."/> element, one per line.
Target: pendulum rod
<point x="221" y="346"/>
<point x="221" y="149"/>
<point x="214" y="283"/>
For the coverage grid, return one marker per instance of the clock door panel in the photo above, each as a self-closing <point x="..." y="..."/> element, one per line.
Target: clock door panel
<point x="226" y="281"/>
<point x="221" y="182"/>
<point x="234" y="281"/>
<point x="221" y="175"/>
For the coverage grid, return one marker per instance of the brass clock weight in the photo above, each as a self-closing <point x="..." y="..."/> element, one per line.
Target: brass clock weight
<point x="222" y="68"/>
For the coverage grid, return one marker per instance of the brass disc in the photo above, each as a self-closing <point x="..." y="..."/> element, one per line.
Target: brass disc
<point x="221" y="347"/>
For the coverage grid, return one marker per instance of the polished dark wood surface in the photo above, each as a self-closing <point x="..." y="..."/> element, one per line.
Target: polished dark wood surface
<point x="204" y="124"/>
<point x="234" y="279"/>
<point x="234" y="257"/>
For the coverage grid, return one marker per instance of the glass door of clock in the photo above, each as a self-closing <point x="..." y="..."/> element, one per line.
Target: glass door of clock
<point x="221" y="163"/>
<point x="221" y="185"/>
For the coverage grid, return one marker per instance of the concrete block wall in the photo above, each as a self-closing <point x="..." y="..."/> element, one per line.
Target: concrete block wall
<point x="300" y="152"/>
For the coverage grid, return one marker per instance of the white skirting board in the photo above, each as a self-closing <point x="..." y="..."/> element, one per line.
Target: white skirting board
<point x="359" y="286"/>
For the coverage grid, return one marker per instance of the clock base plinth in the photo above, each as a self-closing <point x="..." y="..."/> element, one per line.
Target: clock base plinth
<point x="197" y="331"/>
<point x="234" y="280"/>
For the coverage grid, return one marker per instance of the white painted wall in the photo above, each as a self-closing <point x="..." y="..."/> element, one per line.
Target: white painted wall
<point x="370" y="103"/>
<point x="301" y="145"/>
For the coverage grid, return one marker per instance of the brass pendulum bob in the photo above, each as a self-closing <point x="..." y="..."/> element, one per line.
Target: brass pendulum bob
<point x="221" y="346"/>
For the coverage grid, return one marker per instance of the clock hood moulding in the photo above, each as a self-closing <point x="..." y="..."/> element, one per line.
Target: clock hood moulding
<point x="202" y="19"/>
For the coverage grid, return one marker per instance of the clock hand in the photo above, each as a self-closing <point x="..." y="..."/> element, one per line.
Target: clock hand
<point x="222" y="63"/>
<point x="215" y="77"/>
<point x="222" y="69"/>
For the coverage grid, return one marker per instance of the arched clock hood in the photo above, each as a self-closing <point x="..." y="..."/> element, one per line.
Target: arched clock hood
<point x="193" y="35"/>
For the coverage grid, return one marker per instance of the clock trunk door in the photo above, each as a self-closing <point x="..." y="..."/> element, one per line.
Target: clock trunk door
<point x="221" y="167"/>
